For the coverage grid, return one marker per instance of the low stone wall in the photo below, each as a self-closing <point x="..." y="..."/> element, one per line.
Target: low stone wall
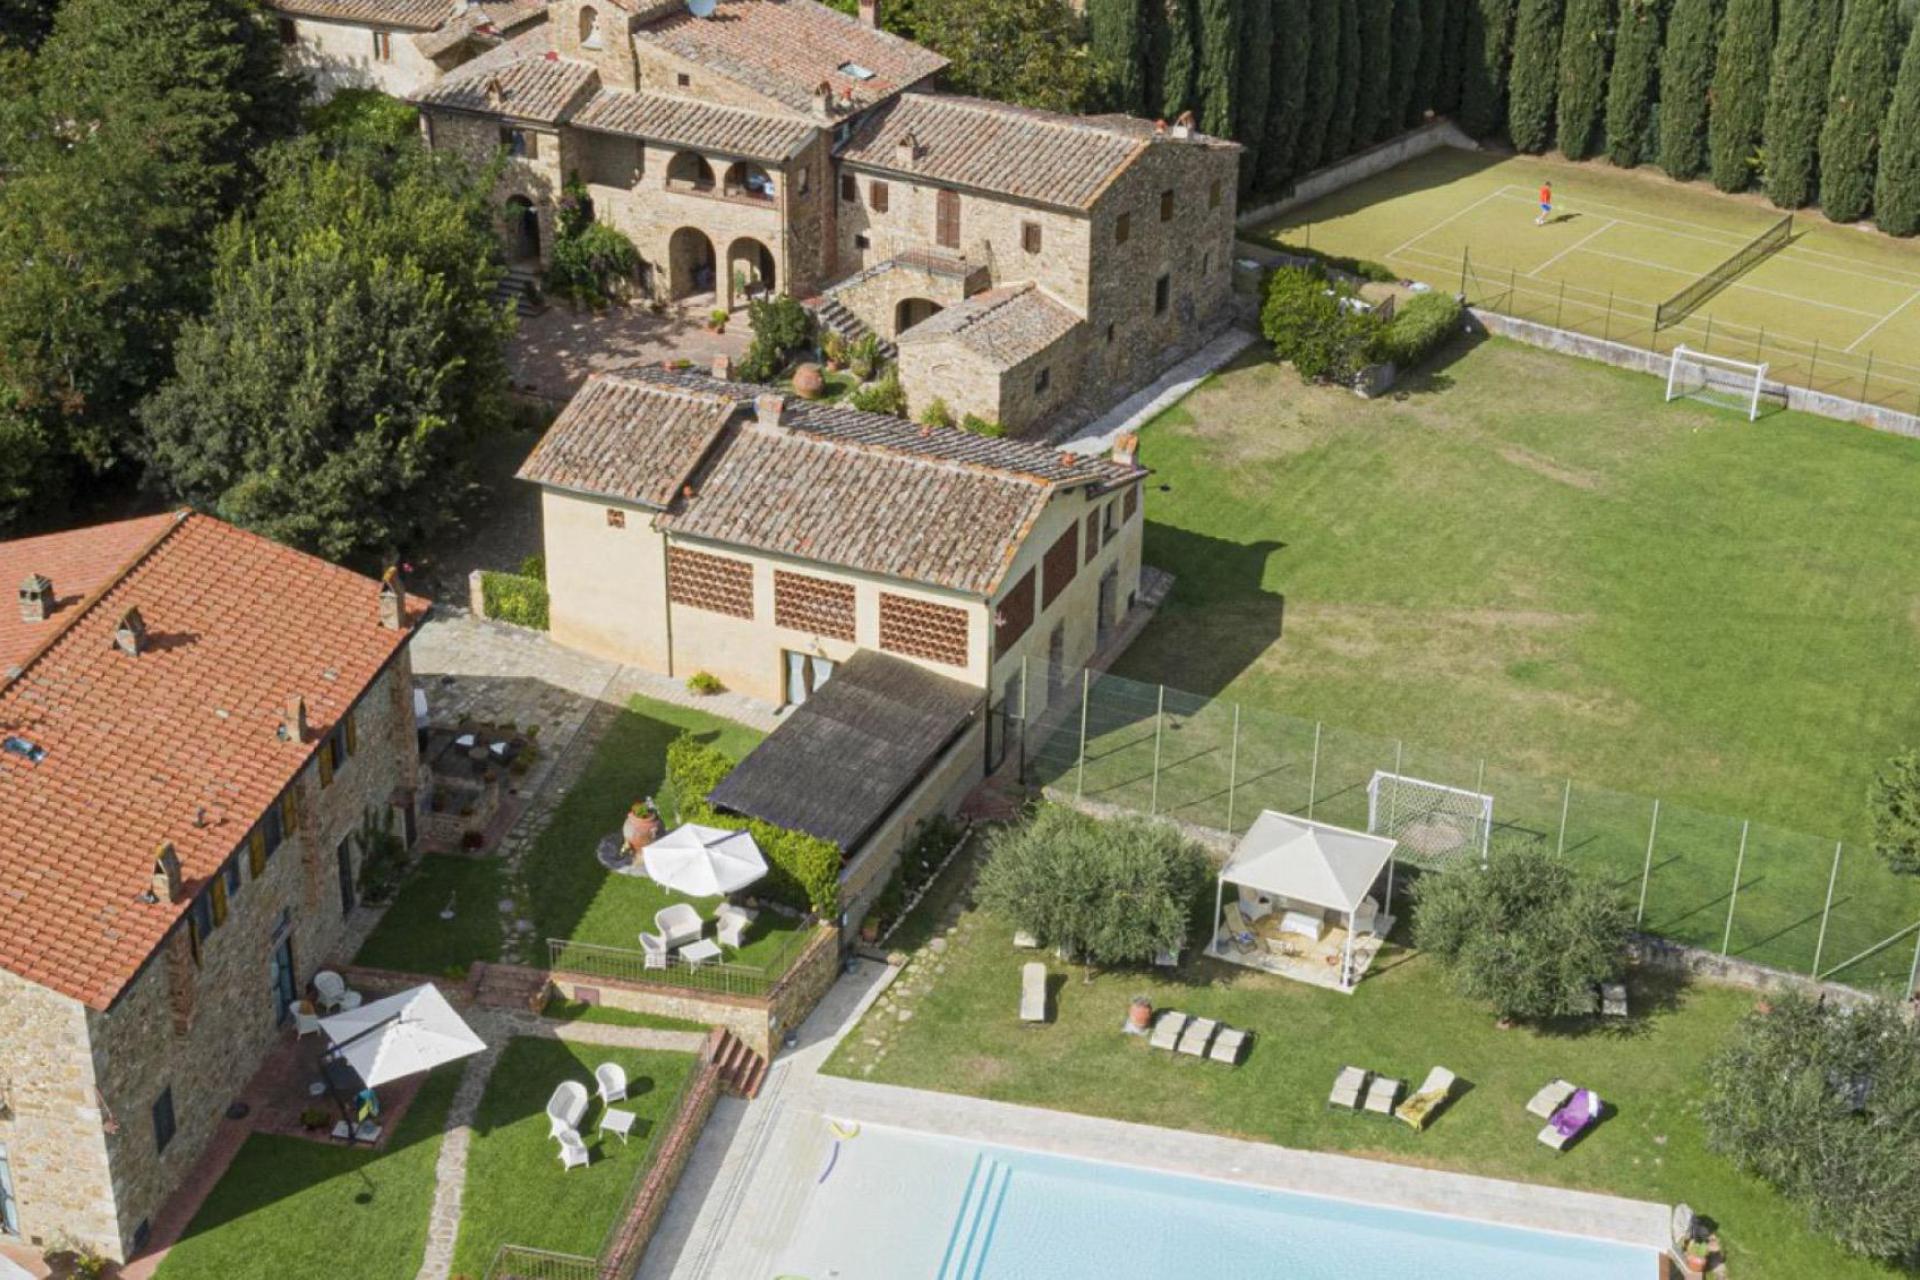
<point x="805" y="985"/>
<point x="670" y="1158"/>
<point x="1356" y="168"/>
<point x="1697" y="962"/>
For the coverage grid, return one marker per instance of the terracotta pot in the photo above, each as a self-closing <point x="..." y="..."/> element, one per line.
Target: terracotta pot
<point x="1140" y="1013"/>
<point x="641" y="830"/>
<point x="808" y="383"/>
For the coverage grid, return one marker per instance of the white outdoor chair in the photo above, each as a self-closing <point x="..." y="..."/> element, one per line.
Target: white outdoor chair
<point x="306" y="1019"/>
<point x="572" y="1151"/>
<point x="1366" y="916"/>
<point x="654" y="948"/>
<point x="731" y="924"/>
<point x="331" y="990"/>
<point x="612" y="1081"/>
<point x="565" y="1109"/>
<point x="678" y="924"/>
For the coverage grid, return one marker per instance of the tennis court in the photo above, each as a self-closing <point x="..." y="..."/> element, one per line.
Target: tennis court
<point x="1836" y="309"/>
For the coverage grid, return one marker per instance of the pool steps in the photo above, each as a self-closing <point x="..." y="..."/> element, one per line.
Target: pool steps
<point x="974" y="1224"/>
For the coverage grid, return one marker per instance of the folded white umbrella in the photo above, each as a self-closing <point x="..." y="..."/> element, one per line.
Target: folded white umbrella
<point x="401" y="1035"/>
<point x="702" y="862"/>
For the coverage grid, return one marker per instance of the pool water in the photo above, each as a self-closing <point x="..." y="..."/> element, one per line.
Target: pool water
<point x="892" y="1205"/>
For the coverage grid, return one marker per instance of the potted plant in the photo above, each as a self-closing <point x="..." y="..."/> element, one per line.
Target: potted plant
<point x="642" y="825"/>
<point x="717" y="321"/>
<point x="1698" y="1254"/>
<point x="833" y="348"/>
<point x="313" y="1118"/>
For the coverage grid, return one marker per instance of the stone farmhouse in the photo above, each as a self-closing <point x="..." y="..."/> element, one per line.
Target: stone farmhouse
<point x="194" y="724"/>
<point x="1018" y="258"/>
<point x="396" y="46"/>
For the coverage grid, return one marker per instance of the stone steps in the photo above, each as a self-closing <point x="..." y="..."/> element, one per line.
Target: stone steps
<point x="833" y="315"/>
<point x="742" y="1071"/>
<point x="521" y="287"/>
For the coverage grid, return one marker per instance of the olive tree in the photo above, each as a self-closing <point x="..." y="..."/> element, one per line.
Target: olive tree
<point x="1895" y="802"/>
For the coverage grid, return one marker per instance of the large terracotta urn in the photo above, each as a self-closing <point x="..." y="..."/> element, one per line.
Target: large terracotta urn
<point x="641" y="828"/>
<point x="808" y="383"/>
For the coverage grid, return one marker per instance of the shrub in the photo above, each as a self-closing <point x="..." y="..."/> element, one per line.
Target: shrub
<point x="717" y="318"/>
<point x="1314" y="326"/>
<point x="1365" y="268"/>
<point x="1527" y="934"/>
<point x="535" y="567"/>
<point x="516" y="599"/>
<point x="863" y="357"/>
<point x="936" y="414"/>
<point x="592" y="265"/>
<point x="1896" y="188"/>
<point x="782" y="323"/>
<point x="364" y="115"/>
<point x="760" y="363"/>
<point x="1108" y="892"/>
<point x="1895" y="802"/>
<point x="704" y="683"/>
<point x="1822" y="1102"/>
<point x="1420" y="328"/>
<point x="833" y="348"/>
<point x="883" y="395"/>
<point x="803" y="870"/>
<point x="982" y="426"/>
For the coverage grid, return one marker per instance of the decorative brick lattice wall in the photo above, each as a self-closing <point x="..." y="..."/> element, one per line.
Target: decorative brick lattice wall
<point x="1093" y="536"/>
<point x="806" y="603"/>
<point x="1061" y="563"/>
<point x="1014" y="615"/>
<point x="717" y="584"/>
<point x="1132" y="502"/>
<point x="922" y="629"/>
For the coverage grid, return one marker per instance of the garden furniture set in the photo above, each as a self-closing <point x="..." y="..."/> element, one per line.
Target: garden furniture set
<point x="568" y="1107"/>
<point x="680" y="929"/>
<point x="1358" y="1089"/>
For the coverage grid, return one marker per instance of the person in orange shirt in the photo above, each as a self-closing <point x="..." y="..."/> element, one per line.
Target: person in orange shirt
<point x="1546" y="204"/>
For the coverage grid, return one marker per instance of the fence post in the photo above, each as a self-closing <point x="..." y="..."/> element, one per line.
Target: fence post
<point x="1865" y="378"/>
<point x="1813" y="360"/>
<point x="1913" y="974"/>
<point x="1759" y="343"/>
<point x="1606" y="325"/>
<point x="1080" y="777"/>
<point x="1159" y="718"/>
<point x="1233" y="766"/>
<point x="1023" y="719"/>
<point x="1463" y="272"/>
<point x="1646" y="872"/>
<point x="1560" y="306"/>
<point x="1313" y="774"/>
<point x="1566" y="798"/>
<point x="1733" y="898"/>
<point x="1820" y="944"/>
<point x="1512" y="276"/>
<point x="1706" y="342"/>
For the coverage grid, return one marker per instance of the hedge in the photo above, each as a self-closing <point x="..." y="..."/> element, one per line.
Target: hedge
<point x="1419" y="328"/>
<point x="515" y="598"/>
<point x="804" y="870"/>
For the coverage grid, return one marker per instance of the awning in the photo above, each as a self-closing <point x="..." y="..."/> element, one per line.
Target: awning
<point x="1308" y="861"/>
<point x="401" y="1035"/>
<point x="702" y="862"/>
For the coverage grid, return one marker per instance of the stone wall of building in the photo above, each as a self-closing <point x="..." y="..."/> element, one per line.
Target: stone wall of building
<point x="201" y="1030"/>
<point x="1016" y="397"/>
<point x="343" y="55"/>
<point x="606" y="581"/>
<point x="536" y="178"/>
<point x="51" y="1126"/>
<point x="803" y="987"/>
<point x="875" y="295"/>
<point x="941" y="790"/>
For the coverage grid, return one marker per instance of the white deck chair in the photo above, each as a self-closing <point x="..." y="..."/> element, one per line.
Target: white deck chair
<point x="654" y="948"/>
<point x="1550" y="1099"/>
<point x="566" y="1108"/>
<point x="1347" y="1087"/>
<point x="731" y="924"/>
<point x="573" y="1152"/>
<point x="330" y="989"/>
<point x="1166" y="1030"/>
<point x="678" y="924"/>
<point x="1033" y="992"/>
<point x="1197" y="1036"/>
<point x="612" y="1081"/>
<point x="1427" y="1099"/>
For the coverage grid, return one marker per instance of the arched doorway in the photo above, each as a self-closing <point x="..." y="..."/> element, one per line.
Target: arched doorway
<point x="749" y="271"/>
<point x="521" y="223"/>
<point x="748" y="181"/>
<point x="689" y="171"/>
<point x="690" y="263"/>
<point x="911" y="311"/>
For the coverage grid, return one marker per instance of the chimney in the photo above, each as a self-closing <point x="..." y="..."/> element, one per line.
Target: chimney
<point x="768" y="406"/>
<point x="905" y="150"/>
<point x="870" y="13"/>
<point x="1183" y="125"/>
<point x="130" y="636"/>
<point x="36" y="598"/>
<point x="496" y="95"/>
<point x="293" y="720"/>
<point x="1126" y="448"/>
<point x="393" y="600"/>
<point x="723" y="367"/>
<point x="823" y="99"/>
<point x="166" y="873"/>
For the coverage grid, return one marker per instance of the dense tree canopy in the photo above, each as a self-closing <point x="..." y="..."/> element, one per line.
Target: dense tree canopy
<point x="1857" y="95"/>
<point x="1256" y="88"/>
<point x="1173" y="54"/>
<point x="1117" y="34"/>
<point x="1584" y="50"/>
<point x="1739" y="93"/>
<point x="1292" y="43"/>
<point x="1686" y="75"/>
<point x="1025" y="51"/>
<point x="1636" y="59"/>
<point x="1323" y="71"/>
<point x="1896" y="190"/>
<point x="1349" y="58"/>
<point x="1535" y="77"/>
<point x="1485" y="45"/>
<point x="1797" y="98"/>
<point x="1219" y="75"/>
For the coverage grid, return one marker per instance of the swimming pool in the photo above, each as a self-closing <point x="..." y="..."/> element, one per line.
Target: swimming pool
<point x="894" y="1205"/>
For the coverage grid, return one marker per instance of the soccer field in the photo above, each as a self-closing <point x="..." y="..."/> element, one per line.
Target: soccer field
<point x="1837" y="309"/>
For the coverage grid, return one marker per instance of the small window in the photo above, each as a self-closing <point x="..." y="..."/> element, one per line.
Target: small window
<point x="163" y="1122"/>
<point x="589" y="27"/>
<point x="947" y="219"/>
<point x="289" y="32"/>
<point x="1166" y="205"/>
<point x="803" y="184"/>
<point x="1122" y="228"/>
<point x="1042" y="380"/>
<point x="1109" y="335"/>
<point x="855" y="71"/>
<point x="232" y="873"/>
<point x="1206" y="264"/>
<point x="1213" y="195"/>
<point x="683" y="80"/>
<point x="1030" y="236"/>
<point x="877" y="196"/>
<point x="382" y="46"/>
<point x="1162" y="292"/>
<point x="517" y="142"/>
<point x="616" y="518"/>
<point x="27" y="749"/>
<point x="849" y="188"/>
<point x="1112" y="515"/>
<point x="861" y="242"/>
<point x="217" y="896"/>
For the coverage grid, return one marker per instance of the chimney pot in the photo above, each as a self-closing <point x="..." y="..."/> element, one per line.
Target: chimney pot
<point x="723" y="367"/>
<point x="36" y="598"/>
<point x="823" y="98"/>
<point x="293" y="720"/>
<point x="870" y="13"/>
<point x="768" y="406"/>
<point x="166" y="873"/>
<point x="393" y="600"/>
<point x="1126" y="448"/>
<point x="130" y="636"/>
<point x="906" y="150"/>
<point x="1183" y="124"/>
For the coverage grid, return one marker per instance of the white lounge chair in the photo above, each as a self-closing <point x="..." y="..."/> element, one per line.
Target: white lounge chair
<point x="1227" y="1045"/>
<point x="654" y="948"/>
<point x="731" y="924"/>
<point x="1197" y="1036"/>
<point x="1366" y="917"/>
<point x="611" y="1080"/>
<point x="1427" y="1099"/>
<point x="331" y="991"/>
<point x="566" y="1108"/>
<point x="1033" y="992"/>
<point x="573" y="1152"/>
<point x="678" y="924"/>
<point x="1550" y="1099"/>
<point x="1347" y="1087"/>
<point x="1382" y="1094"/>
<point x="306" y="1019"/>
<point x="1166" y="1030"/>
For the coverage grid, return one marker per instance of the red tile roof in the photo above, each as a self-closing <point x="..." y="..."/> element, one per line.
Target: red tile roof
<point x="532" y="83"/>
<point x="77" y="563"/>
<point x="417" y="15"/>
<point x="135" y="745"/>
<point x="685" y="122"/>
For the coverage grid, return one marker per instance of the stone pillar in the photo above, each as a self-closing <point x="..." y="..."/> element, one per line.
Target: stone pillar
<point x="477" y="593"/>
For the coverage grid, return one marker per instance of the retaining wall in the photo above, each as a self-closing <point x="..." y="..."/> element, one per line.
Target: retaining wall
<point x="669" y="1162"/>
<point x="1356" y="168"/>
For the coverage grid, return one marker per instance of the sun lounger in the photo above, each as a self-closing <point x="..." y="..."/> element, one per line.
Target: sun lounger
<point x="1550" y="1099"/>
<point x="1382" y="1094"/>
<point x="1228" y="1042"/>
<point x="1166" y="1030"/>
<point x="1347" y="1087"/>
<point x="1195" y="1038"/>
<point x="1570" y="1121"/>
<point x="1613" y="1000"/>
<point x="1033" y="992"/>
<point x="1236" y="929"/>
<point x="1428" y="1099"/>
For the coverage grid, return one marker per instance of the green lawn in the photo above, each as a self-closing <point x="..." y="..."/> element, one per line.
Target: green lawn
<point x="413" y="938"/>
<point x="516" y="1191"/>
<point x="288" y="1207"/>
<point x="1529" y="565"/>
<point x="964" y="1037"/>
<point x="560" y="1009"/>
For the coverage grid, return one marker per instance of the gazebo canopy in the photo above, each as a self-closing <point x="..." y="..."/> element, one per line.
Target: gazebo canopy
<point x="1308" y="861"/>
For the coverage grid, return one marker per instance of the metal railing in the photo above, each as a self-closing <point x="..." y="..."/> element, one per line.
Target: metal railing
<point x="517" y="1262"/>
<point x="625" y="964"/>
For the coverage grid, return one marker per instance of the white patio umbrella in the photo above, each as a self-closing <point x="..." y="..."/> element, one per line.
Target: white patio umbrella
<point x="401" y="1035"/>
<point x="703" y="862"/>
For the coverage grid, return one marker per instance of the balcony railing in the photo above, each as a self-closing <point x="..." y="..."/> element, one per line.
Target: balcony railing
<point x="517" y="1262"/>
<point x="623" y="964"/>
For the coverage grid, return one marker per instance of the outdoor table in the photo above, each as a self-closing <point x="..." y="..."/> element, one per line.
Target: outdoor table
<point x="700" y="952"/>
<point x="620" y="1122"/>
<point x="350" y="1000"/>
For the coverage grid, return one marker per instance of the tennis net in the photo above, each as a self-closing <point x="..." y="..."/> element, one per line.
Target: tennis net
<point x="1694" y="296"/>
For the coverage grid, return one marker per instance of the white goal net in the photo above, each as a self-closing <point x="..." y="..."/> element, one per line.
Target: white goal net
<point x="1737" y="384"/>
<point x="1434" y="823"/>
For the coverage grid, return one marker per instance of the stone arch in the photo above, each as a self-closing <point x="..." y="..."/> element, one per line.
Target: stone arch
<point x="750" y="271"/>
<point x="749" y="181"/>
<point x="521" y="222"/>
<point x="689" y="171"/>
<point x="690" y="263"/>
<point x="589" y="26"/>
<point x="909" y="312"/>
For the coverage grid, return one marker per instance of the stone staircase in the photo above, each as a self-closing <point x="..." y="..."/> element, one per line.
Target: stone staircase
<point x="833" y="315"/>
<point x="508" y="986"/>
<point x="520" y="286"/>
<point x="742" y="1071"/>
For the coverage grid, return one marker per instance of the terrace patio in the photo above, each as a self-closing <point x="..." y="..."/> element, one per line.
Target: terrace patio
<point x="1292" y="955"/>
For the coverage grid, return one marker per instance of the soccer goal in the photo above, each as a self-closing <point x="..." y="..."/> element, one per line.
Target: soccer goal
<point x="1723" y="380"/>
<point x="1434" y="823"/>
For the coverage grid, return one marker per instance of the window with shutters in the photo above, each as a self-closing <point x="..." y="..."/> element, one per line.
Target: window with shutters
<point x="849" y="188"/>
<point x="718" y="584"/>
<point x="806" y="603"/>
<point x="1093" y="536"/>
<point x="382" y="46"/>
<point x="256" y="852"/>
<point x="1132" y="502"/>
<point x="1113" y="518"/>
<point x="1014" y="614"/>
<point x="1030" y="236"/>
<point x="1059" y="565"/>
<point x="217" y="901"/>
<point x="947" y="219"/>
<point x="1122" y="228"/>
<point x="1213" y="195"/>
<point x="922" y="629"/>
<point x="877" y="196"/>
<point x="290" y="809"/>
<point x="1162" y="294"/>
<point x="1166" y="205"/>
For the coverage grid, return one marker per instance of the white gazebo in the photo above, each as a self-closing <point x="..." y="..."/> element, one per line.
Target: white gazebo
<point x="1288" y="874"/>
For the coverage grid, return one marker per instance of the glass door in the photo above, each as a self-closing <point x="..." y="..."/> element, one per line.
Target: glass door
<point x="280" y="973"/>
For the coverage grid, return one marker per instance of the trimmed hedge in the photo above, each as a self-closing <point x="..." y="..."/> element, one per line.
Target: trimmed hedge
<point x="515" y="598"/>
<point x="1420" y="328"/>
<point x="804" y="870"/>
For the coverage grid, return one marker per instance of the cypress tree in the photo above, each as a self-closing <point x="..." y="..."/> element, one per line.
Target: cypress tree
<point x="1453" y="50"/>
<point x="1286" y="106"/>
<point x="1436" y="40"/>
<point x="1484" y="42"/>
<point x="1739" y="92"/>
<point x="1535" y="74"/>
<point x="1373" y="109"/>
<point x="1116" y="31"/>
<point x="1896" y="189"/>
<point x="1636" y="54"/>
<point x="1583" y="74"/>
<point x="1856" y="105"/>
<point x="1797" y="98"/>
<point x="1322" y="77"/>
<point x="1217" y="83"/>
<point x="1346" y="85"/>
<point x="1686" y="73"/>
<point x="1175" y="55"/>
<point x="1256" y="87"/>
<point x="1407" y="46"/>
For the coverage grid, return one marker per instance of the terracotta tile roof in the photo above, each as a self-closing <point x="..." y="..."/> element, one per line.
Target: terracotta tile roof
<point x="534" y="83"/>
<point x="630" y="440"/>
<point x="786" y="48"/>
<point x="485" y="19"/>
<point x="684" y="122"/>
<point x="992" y="146"/>
<point x="862" y="491"/>
<point x="77" y="563"/>
<point x="1003" y="326"/>
<point x="416" y="15"/>
<point x="135" y="744"/>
